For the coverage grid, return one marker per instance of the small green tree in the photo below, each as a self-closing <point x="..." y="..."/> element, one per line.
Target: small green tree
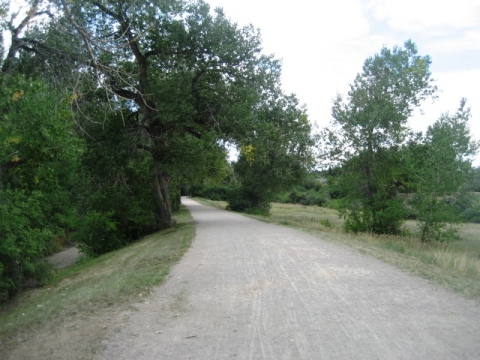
<point x="276" y="155"/>
<point x="367" y="130"/>
<point x="442" y="170"/>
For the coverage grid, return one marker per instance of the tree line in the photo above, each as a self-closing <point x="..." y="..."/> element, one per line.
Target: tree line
<point x="111" y="107"/>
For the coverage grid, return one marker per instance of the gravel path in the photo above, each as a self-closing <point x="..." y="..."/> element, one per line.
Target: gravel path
<point x="251" y="290"/>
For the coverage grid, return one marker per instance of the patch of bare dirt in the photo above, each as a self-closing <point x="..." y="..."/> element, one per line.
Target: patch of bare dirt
<point x="64" y="258"/>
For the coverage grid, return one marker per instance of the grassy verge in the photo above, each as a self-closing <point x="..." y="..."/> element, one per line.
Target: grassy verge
<point x="455" y="266"/>
<point x="88" y="293"/>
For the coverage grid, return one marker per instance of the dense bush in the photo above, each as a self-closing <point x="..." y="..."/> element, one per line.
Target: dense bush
<point x="472" y="213"/>
<point x="306" y="197"/>
<point x="309" y="192"/>
<point x="208" y="191"/>
<point x="242" y="199"/>
<point x="113" y="217"/>
<point x="24" y="233"/>
<point x="100" y="233"/>
<point x="38" y="157"/>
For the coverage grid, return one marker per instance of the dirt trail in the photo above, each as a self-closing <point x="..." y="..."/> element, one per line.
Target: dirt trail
<point x="251" y="290"/>
<point x="64" y="258"/>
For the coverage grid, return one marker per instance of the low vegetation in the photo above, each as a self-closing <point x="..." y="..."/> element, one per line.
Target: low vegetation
<point x="92" y="289"/>
<point x="455" y="265"/>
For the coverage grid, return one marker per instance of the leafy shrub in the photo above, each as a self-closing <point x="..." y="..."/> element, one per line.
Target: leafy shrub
<point x="243" y="200"/>
<point x="388" y="218"/>
<point x="336" y="204"/>
<point x="471" y="212"/>
<point x="327" y="223"/>
<point x="114" y="217"/>
<point x="99" y="233"/>
<point x="437" y="231"/>
<point x="472" y="215"/>
<point x="308" y="193"/>
<point x="38" y="153"/>
<point x="24" y="233"/>
<point x="207" y="191"/>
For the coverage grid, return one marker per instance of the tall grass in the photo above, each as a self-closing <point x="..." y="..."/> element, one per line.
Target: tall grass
<point x="455" y="265"/>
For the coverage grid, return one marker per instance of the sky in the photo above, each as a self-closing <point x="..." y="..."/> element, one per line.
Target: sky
<point x="323" y="46"/>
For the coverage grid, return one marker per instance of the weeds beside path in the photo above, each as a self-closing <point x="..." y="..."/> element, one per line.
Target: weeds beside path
<point x="68" y="318"/>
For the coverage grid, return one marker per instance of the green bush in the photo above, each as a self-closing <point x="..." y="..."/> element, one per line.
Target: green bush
<point x="207" y="191"/>
<point x="114" y="217"/>
<point x="99" y="233"/>
<point x="308" y="192"/>
<point x="243" y="200"/>
<point x="472" y="215"/>
<point x="24" y="234"/>
<point x="470" y="212"/>
<point x="388" y="218"/>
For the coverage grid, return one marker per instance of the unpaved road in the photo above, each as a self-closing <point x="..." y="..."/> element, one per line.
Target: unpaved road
<point x="250" y="290"/>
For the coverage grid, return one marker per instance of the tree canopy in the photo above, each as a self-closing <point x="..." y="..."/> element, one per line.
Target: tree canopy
<point x="178" y="69"/>
<point x="117" y="103"/>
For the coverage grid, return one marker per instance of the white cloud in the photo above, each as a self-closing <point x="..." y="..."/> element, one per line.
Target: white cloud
<point x="425" y="15"/>
<point x="457" y="42"/>
<point x="324" y="44"/>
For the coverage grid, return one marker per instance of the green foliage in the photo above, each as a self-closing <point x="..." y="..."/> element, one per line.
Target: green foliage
<point x="366" y="134"/>
<point x="38" y="157"/>
<point x="276" y="155"/>
<point x="475" y="181"/>
<point x="308" y="192"/>
<point x="115" y="194"/>
<point x="470" y="212"/>
<point x="99" y="233"/>
<point x="442" y="170"/>
<point x="24" y="232"/>
<point x="242" y="199"/>
<point x="208" y="191"/>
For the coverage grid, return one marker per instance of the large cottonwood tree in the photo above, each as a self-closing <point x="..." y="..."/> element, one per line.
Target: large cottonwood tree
<point x="177" y="68"/>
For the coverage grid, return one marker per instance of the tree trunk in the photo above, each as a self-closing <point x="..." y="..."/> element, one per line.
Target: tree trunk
<point x="161" y="188"/>
<point x="370" y="190"/>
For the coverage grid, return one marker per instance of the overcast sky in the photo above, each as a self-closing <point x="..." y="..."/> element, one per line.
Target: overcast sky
<point x="323" y="46"/>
